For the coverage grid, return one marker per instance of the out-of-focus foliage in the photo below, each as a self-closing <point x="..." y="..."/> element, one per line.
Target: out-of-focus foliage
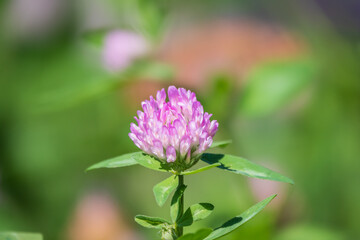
<point x="274" y="85"/>
<point x="20" y="236"/>
<point x="308" y="232"/>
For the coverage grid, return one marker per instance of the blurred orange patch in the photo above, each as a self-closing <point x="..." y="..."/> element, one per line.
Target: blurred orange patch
<point x="232" y="47"/>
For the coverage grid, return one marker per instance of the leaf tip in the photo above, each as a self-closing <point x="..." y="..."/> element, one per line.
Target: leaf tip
<point x="269" y="199"/>
<point x="89" y="169"/>
<point x="138" y="217"/>
<point x="92" y="167"/>
<point x="291" y="181"/>
<point x="159" y="201"/>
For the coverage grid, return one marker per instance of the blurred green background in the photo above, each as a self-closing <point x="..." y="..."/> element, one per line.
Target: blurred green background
<point x="281" y="77"/>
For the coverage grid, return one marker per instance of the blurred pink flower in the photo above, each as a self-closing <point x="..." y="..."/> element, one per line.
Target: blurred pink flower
<point x="176" y="131"/>
<point x="121" y="48"/>
<point x="97" y="217"/>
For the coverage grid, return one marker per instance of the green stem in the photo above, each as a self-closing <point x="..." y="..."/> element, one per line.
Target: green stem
<point x="179" y="230"/>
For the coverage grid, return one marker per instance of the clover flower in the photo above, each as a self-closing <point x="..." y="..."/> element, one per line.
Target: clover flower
<point x="121" y="48"/>
<point x="174" y="134"/>
<point x="175" y="131"/>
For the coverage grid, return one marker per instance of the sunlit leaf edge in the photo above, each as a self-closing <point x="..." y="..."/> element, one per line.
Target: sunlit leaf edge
<point x="247" y="168"/>
<point x="116" y="162"/>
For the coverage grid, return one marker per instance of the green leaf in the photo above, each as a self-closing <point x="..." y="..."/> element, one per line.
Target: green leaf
<point x="20" y="236"/>
<point x="175" y="201"/>
<point x="201" y="169"/>
<point x="151" y="222"/>
<point x="242" y="166"/>
<point x="195" y="213"/>
<point x="132" y="159"/>
<point x="237" y="221"/>
<point x="120" y="161"/>
<point x="272" y="85"/>
<point x="199" y="235"/>
<point x="151" y="162"/>
<point x="163" y="189"/>
<point x="220" y="144"/>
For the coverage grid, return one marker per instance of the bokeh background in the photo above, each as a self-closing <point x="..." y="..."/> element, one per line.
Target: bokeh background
<point x="281" y="77"/>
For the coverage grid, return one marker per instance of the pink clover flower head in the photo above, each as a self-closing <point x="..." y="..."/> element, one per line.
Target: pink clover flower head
<point x="121" y="48"/>
<point x="176" y="131"/>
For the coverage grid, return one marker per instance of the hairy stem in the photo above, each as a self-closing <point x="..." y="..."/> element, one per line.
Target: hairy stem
<point x="179" y="230"/>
